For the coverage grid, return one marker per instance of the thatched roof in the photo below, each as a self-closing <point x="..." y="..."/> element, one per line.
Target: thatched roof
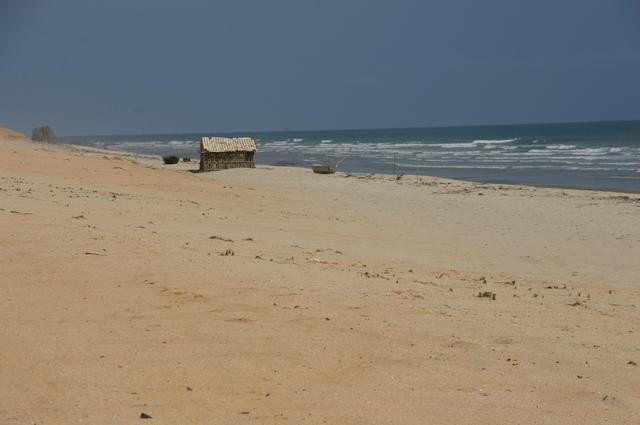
<point x="225" y="144"/>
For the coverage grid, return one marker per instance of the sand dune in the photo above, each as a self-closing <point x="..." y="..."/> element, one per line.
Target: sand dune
<point x="9" y="134"/>
<point x="277" y="296"/>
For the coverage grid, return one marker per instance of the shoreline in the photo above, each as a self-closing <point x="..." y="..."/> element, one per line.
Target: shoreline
<point x="592" y="156"/>
<point x="181" y="166"/>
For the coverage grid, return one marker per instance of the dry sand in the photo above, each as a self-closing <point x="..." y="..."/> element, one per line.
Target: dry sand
<point x="273" y="295"/>
<point x="9" y="134"/>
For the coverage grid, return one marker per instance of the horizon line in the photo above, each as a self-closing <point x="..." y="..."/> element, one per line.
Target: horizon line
<point x="362" y="129"/>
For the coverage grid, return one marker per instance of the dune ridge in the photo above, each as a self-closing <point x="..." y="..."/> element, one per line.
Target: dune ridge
<point x="9" y="134"/>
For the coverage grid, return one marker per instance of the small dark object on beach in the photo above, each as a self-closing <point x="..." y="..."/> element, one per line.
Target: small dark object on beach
<point x="632" y="363"/>
<point x="189" y="389"/>
<point x="220" y="238"/>
<point x="171" y="159"/>
<point x="576" y="304"/>
<point x="487" y="294"/>
<point x="323" y="169"/>
<point x="145" y="416"/>
<point x="186" y="159"/>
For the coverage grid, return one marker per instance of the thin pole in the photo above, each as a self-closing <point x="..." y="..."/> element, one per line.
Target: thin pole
<point x="395" y="175"/>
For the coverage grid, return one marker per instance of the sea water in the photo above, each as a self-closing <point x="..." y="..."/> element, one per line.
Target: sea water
<point x="602" y="155"/>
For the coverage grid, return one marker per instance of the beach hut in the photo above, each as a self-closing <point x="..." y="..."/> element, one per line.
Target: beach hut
<point x="220" y="153"/>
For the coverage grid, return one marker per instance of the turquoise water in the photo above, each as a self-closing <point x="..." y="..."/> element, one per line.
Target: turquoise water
<point x="602" y="155"/>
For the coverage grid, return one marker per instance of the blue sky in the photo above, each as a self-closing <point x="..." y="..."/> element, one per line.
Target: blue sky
<point x="139" y="66"/>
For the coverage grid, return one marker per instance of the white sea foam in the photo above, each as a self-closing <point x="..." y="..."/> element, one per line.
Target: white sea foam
<point x="590" y="151"/>
<point x="561" y="147"/>
<point x="493" y="142"/>
<point x="151" y="145"/>
<point x="544" y="152"/>
<point x="473" y="144"/>
<point x="463" y="155"/>
<point x="413" y="166"/>
<point x="630" y="163"/>
<point x="452" y="145"/>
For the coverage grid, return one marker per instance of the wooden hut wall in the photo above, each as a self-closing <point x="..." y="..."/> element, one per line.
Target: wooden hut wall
<point x="224" y="160"/>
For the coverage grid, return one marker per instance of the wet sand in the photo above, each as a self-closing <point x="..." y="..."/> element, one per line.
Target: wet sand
<point x="273" y="295"/>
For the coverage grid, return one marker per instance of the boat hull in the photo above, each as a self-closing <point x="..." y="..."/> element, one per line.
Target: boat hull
<point x="323" y="169"/>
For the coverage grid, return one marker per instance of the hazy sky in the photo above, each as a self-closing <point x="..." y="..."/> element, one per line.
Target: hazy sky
<point x="158" y="66"/>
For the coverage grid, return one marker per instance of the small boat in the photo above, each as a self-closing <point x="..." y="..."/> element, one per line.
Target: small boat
<point x="323" y="169"/>
<point x="326" y="168"/>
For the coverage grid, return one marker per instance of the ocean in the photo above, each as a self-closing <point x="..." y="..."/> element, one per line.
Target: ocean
<point x="594" y="155"/>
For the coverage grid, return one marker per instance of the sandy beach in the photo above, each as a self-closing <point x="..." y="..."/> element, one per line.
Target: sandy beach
<point x="273" y="295"/>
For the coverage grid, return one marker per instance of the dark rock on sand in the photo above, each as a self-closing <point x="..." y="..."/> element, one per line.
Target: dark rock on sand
<point x="487" y="294"/>
<point x="171" y="159"/>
